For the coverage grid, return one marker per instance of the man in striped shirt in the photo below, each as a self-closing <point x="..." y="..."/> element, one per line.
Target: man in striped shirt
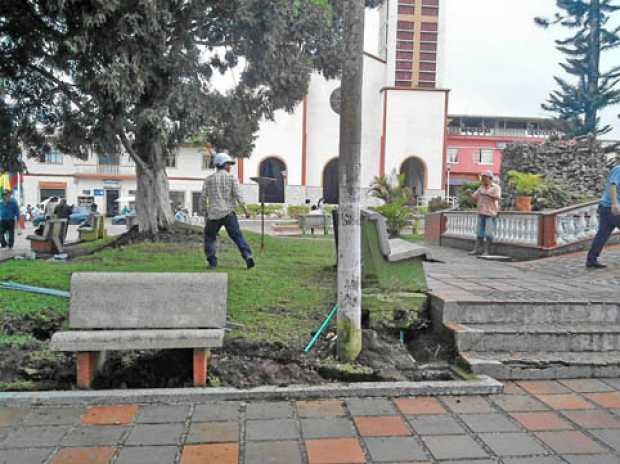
<point x="221" y="194"/>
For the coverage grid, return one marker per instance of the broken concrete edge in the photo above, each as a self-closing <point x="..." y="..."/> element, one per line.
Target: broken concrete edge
<point x="483" y="385"/>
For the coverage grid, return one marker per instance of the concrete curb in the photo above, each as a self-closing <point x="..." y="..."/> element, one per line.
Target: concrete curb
<point x="483" y="385"/>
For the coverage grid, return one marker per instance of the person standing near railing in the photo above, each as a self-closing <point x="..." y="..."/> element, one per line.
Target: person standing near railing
<point x="487" y="196"/>
<point x="609" y="218"/>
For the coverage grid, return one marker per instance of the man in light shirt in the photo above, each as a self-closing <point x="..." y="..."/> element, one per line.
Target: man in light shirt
<point x="221" y="194"/>
<point x="609" y="218"/>
<point x="487" y="196"/>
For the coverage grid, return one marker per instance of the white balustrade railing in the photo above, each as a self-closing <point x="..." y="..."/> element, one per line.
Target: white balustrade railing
<point x="510" y="227"/>
<point x="576" y="224"/>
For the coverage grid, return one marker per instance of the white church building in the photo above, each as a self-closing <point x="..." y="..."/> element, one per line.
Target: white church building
<point x="404" y="129"/>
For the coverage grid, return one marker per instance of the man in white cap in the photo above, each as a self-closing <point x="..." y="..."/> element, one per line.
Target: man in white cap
<point x="221" y="194"/>
<point x="487" y="196"/>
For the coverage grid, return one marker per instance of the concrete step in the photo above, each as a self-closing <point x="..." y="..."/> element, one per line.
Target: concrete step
<point x="286" y="228"/>
<point x="542" y="365"/>
<point x="575" y="337"/>
<point x="530" y="312"/>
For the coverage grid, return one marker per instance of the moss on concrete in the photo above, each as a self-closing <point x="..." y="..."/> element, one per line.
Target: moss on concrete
<point x="349" y="340"/>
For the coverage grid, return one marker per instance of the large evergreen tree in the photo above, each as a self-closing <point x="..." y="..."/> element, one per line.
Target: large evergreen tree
<point x="134" y="76"/>
<point x="579" y="100"/>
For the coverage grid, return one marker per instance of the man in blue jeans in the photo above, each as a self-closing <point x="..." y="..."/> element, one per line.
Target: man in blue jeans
<point x="221" y="194"/>
<point x="609" y="218"/>
<point x="9" y="213"/>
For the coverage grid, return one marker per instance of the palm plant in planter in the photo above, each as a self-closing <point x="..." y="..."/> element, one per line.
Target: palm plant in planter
<point x="525" y="184"/>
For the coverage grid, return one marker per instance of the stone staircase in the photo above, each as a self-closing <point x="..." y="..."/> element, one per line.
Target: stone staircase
<point x="533" y="339"/>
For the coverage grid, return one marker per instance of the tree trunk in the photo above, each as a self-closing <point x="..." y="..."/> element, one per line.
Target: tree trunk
<point x="593" y="65"/>
<point x="349" y="249"/>
<point x="153" y="208"/>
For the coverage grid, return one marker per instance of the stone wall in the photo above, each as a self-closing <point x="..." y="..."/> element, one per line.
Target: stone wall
<point x="581" y="166"/>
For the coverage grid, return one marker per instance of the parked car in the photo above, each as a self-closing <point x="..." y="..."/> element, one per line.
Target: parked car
<point x="79" y="215"/>
<point x="122" y="218"/>
<point x="38" y="219"/>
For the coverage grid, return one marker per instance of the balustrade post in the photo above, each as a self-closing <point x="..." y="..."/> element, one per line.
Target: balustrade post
<point x="546" y="231"/>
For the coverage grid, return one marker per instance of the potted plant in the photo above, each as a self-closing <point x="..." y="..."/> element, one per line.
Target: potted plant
<point x="525" y="184"/>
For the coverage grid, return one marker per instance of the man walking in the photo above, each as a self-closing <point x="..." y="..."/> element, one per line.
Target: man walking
<point x="221" y="194"/>
<point x="609" y="218"/>
<point x="487" y="197"/>
<point x="9" y="213"/>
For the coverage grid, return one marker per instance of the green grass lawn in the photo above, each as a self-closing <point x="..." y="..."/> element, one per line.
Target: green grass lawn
<point x="283" y="299"/>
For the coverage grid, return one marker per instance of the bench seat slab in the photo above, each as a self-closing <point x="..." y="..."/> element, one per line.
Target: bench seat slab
<point x="154" y="339"/>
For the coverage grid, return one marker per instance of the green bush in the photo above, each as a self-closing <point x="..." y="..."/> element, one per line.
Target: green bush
<point x="465" y="201"/>
<point x="525" y="183"/>
<point x="397" y="216"/>
<point x="391" y="189"/>
<point x="437" y="204"/>
<point x="255" y="210"/>
<point x="553" y="195"/>
<point x="297" y="211"/>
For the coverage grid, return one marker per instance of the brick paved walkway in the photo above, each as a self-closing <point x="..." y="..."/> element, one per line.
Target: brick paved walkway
<point x="562" y="278"/>
<point x="538" y="422"/>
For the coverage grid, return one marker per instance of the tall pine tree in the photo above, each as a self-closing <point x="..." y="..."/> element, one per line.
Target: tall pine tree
<point x="579" y="100"/>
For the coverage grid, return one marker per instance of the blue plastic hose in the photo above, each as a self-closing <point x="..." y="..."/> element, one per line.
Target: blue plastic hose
<point x="324" y="325"/>
<point x="31" y="289"/>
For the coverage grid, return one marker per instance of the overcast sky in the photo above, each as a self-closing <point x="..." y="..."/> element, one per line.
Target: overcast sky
<point x="498" y="61"/>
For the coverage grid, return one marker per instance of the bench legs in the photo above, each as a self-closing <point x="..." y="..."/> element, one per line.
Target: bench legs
<point x="201" y="361"/>
<point x="88" y="362"/>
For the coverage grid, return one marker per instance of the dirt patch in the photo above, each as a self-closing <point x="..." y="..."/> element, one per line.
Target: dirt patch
<point x="41" y="325"/>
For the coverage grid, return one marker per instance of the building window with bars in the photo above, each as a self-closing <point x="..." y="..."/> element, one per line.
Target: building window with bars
<point x="453" y="155"/>
<point x="485" y="156"/>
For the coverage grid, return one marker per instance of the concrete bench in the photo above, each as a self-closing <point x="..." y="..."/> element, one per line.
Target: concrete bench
<point x="52" y="238"/>
<point x="143" y="311"/>
<point x="94" y="232"/>
<point x="314" y="221"/>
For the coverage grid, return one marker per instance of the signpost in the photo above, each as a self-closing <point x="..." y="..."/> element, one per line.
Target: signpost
<point x="263" y="183"/>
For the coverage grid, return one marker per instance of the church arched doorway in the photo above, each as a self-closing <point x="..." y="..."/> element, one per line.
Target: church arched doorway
<point x="273" y="167"/>
<point x="415" y="176"/>
<point x="330" y="182"/>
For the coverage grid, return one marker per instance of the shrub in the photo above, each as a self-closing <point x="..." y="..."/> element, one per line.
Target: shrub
<point x="396" y="216"/>
<point x="391" y="189"/>
<point x="297" y="211"/>
<point x="255" y="209"/>
<point x="437" y="204"/>
<point x="525" y="183"/>
<point x="465" y="201"/>
<point x="552" y="195"/>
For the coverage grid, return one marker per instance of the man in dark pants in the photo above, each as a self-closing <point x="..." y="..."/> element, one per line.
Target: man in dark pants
<point x="9" y="213"/>
<point x="221" y="194"/>
<point x="609" y="218"/>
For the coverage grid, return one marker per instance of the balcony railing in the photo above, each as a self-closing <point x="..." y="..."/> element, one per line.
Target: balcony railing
<point x="501" y="132"/>
<point x="546" y="230"/>
<point x="106" y="169"/>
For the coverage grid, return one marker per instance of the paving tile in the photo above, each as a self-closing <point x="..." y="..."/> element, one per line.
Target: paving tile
<point x="541" y="421"/>
<point x="512" y="444"/>
<point x="610" y="437"/>
<point x="420" y="405"/>
<point x="543" y="387"/>
<point x="275" y="429"/>
<point x="518" y="403"/>
<point x="591" y="459"/>
<point x="565" y="401"/>
<point x="586" y="385"/>
<point x="155" y="434"/>
<point x="489" y="423"/>
<point x="11" y="416"/>
<point x="607" y="400"/>
<point x="84" y="456"/>
<point x="614" y="383"/>
<point x="454" y="447"/>
<point x="511" y="388"/>
<point x="220" y="453"/>
<point x="162" y="414"/>
<point x="269" y="410"/>
<point x="327" y="427"/>
<point x="320" y="408"/>
<point x="35" y="437"/>
<point x="467" y="404"/>
<point x="54" y="416"/>
<point x="213" y="432"/>
<point x="381" y="426"/>
<point x="94" y="435"/>
<point x="570" y="442"/>
<point x="335" y="451"/>
<point x="534" y="460"/>
<point x="273" y="452"/>
<point x="435" y="425"/>
<point x="25" y="456"/>
<point x="370" y="407"/>
<point x="389" y="449"/>
<point x="147" y="455"/>
<point x="596" y="419"/>
<point x="217" y="411"/>
<point x="110" y="415"/>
